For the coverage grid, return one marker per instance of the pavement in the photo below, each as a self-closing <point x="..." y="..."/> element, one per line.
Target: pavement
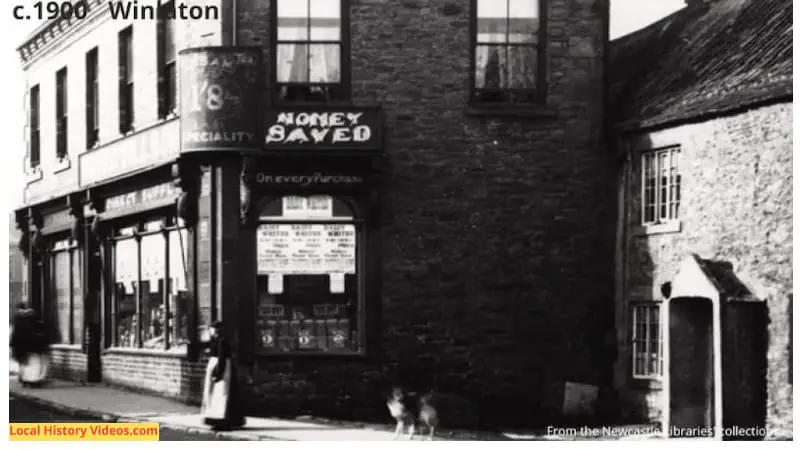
<point x="21" y="411"/>
<point x="110" y="404"/>
<point x="116" y="405"/>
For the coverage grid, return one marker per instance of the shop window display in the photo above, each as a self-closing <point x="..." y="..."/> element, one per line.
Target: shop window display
<point x="309" y="297"/>
<point x="150" y="299"/>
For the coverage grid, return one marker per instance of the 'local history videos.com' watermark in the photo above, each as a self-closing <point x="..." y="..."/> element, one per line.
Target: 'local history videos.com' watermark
<point x="612" y="432"/>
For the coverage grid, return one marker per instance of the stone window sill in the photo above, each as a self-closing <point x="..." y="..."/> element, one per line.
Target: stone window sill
<point x="73" y="347"/>
<point x="658" y="228"/>
<point x="653" y="384"/>
<point x="533" y="111"/>
<point x="62" y="164"/>
<point x="33" y="174"/>
<point x="173" y="352"/>
<point x="132" y="130"/>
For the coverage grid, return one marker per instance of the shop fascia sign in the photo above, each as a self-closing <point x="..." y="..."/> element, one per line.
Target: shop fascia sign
<point x="147" y="195"/>
<point x="151" y="146"/>
<point x="347" y="129"/>
<point x="57" y="218"/>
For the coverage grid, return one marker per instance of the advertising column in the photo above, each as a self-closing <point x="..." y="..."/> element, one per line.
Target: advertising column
<point x="220" y="92"/>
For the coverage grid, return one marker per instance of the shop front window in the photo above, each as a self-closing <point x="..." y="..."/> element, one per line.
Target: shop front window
<point x="309" y="296"/>
<point x="65" y="299"/>
<point x="150" y="309"/>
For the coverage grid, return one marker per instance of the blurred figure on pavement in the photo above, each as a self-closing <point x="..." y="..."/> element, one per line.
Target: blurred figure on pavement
<point x="30" y="346"/>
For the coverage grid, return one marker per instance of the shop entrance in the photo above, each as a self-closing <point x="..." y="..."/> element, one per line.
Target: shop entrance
<point x="93" y="336"/>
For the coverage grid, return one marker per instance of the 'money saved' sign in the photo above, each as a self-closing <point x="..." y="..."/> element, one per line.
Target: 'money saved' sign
<point x="330" y="129"/>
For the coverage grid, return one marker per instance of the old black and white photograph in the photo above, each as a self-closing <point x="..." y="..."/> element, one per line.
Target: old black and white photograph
<point x="399" y="220"/>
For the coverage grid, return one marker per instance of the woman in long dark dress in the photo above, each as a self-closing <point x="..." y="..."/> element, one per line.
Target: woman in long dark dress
<point x="30" y="347"/>
<point x="222" y="402"/>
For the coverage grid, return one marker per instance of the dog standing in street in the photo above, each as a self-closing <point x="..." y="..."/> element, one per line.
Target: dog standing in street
<point x="411" y="410"/>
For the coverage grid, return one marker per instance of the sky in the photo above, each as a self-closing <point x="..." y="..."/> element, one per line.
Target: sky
<point x="626" y="16"/>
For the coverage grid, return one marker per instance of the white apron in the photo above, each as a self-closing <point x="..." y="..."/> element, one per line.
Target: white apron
<point x="35" y="369"/>
<point x="215" y="394"/>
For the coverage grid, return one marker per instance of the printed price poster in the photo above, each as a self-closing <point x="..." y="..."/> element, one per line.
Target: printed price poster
<point x="306" y="249"/>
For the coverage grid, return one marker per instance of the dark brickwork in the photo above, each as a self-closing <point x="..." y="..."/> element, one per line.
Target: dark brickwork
<point x="497" y="271"/>
<point x="736" y="207"/>
<point x="163" y="374"/>
<point x="68" y="363"/>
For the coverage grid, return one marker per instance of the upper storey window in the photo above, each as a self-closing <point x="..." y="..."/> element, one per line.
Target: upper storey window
<point x="125" y="41"/>
<point x="167" y="60"/>
<point x="61" y="115"/>
<point x="92" y="99"/>
<point x="34" y="154"/>
<point x="508" y="52"/>
<point x="311" y="57"/>
<point x="661" y="186"/>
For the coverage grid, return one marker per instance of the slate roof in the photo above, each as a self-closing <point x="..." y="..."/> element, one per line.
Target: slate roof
<point x="701" y="60"/>
<point x="721" y="274"/>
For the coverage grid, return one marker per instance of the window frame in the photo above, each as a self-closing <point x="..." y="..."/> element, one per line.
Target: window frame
<point x="73" y="251"/>
<point x="345" y="60"/>
<point x="634" y="340"/>
<point x="92" y="98"/>
<point x="673" y="153"/>
<point x="167" y="64"/>
<point x="168" y="225"/>
<point x="360" y="227"/>
<point x="126" y="80"/>
<point x="34" y="126"/>
<point x="62" y="114"/>
<point x="541" y="92"/>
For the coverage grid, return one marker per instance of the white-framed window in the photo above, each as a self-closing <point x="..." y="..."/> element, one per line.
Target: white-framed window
<point x="311" y="58"/>
<point x="646" y="341"/>
<point x="508" y="51"/>
<point x="661" y="185"/>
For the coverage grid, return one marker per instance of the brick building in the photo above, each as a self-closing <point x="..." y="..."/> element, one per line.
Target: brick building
<point x="414" y="191"/>
<point x="703" y="106"/>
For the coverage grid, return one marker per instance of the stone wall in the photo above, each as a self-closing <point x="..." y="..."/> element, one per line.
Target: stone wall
<point x="736" y="198"/>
